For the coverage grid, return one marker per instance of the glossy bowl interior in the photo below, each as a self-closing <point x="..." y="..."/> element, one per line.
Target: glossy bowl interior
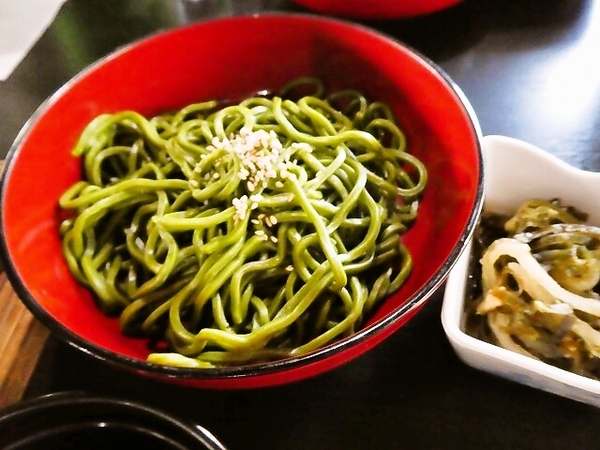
<point x="510" y="180"/>
<point x="233" y="58"/>
<point x="70" y="420"/>
<point x="377" y="9"/>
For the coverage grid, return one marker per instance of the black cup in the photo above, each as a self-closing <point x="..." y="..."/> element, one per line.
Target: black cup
<point x="69" y="421"/>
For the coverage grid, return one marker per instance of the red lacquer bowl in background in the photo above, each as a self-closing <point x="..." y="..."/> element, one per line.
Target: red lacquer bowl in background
<point x="377" y="9"/>
<point x="232" y="58"/>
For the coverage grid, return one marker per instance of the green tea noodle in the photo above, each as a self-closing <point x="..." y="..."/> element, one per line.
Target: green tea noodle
<point x="240" y="233"/>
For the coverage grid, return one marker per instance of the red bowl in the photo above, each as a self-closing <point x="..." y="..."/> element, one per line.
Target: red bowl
<point x="231" y="58"/>
<point x="376" y="9"/>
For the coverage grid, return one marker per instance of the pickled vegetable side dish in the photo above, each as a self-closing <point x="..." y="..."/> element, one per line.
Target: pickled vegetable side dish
<point x="536" y="285"/>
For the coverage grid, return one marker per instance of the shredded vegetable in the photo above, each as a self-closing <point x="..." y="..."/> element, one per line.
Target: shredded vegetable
<point x="536" y="280"/>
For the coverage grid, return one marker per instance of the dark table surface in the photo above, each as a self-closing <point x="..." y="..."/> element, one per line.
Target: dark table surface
<point x="531" y="70"/>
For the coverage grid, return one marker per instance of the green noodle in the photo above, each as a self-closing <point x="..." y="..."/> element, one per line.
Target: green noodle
<point x="246" y="232"/>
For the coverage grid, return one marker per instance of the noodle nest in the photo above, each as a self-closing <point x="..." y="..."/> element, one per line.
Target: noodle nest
<point x="234" y="233"/>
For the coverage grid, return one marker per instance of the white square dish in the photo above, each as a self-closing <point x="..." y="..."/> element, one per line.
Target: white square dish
<point x="516" y="171"/>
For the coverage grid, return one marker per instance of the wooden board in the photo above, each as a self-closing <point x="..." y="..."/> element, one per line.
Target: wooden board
<point x="22" y="339"/>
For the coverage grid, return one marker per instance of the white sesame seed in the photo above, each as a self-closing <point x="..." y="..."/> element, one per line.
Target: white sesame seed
<point x="302" y="146"/>
<point x="139" y="243"/>
<point x="273" y="220"/>
<point x="259" y="232"/>
<point x="289" y="268"/>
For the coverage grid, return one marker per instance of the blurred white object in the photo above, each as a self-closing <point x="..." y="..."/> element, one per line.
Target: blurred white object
<point x="22" y="22"/>
<point x="516" y="171"/>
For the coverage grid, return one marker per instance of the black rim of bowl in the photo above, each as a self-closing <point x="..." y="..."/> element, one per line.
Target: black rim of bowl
<point x="265" y="368"/>
<point x="46" y="415"/>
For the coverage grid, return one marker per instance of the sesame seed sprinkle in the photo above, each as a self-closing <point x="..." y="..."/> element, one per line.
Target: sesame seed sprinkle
<point x="262" y="158"/>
